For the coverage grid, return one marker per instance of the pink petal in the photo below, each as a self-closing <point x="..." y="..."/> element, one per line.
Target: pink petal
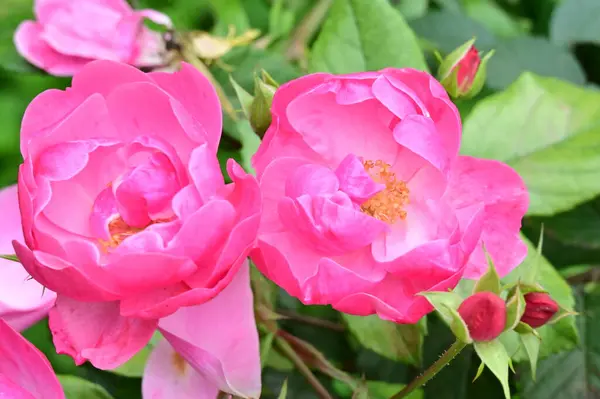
<point x="23" y="301"/>
<point x="504" y="196"/>
<point x="143" y="109"/>
<point x="433" y="101"/>
<point x="281" y="140"/>
<point x="355" y="181"/>
<point x="59" y="275"/>
<point x="205" y="171"/>
<point x="32" y="47"/>
<point x="95" y="331"/>
<point x="227" y="353"/>
<point x="311" y="179"/>
<point x="197" y="95"/>
<point x="23" y="365"/>
<point x="167" y="375"/>
<point x="425" y="222"/>
<point x="334" y="130"/>
<point x="104" y="77"/>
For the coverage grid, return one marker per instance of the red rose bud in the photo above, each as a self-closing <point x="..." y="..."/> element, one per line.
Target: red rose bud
<point x="484" y="313"/>
<point x="462" y="72"/>
<point x="539" y="309"/>
<point x="467" y="68"/>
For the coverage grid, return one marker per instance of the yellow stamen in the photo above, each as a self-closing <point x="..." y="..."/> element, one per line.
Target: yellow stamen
<point x="388" y="204"/>
<point x="119" y="231"/>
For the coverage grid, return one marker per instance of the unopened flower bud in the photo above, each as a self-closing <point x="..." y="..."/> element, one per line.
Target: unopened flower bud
<point x="539" y="309"/>
<point x="462" y="72"/>
<point x="484" y="313"/>
<point x="260" y="108"/>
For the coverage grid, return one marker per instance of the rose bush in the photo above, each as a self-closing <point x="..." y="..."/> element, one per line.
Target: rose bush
<point x="125" y="212"/>
<point x="23" y="301"/>
<point x="69" y="34"/>
<point x="367" y="201"/>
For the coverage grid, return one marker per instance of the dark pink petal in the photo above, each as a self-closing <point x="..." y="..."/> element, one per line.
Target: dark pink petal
<point x="504" y="197"/>
<point x="95" y="331"/>
<point x="24" y="369"/>
<point x="194" y="92"/>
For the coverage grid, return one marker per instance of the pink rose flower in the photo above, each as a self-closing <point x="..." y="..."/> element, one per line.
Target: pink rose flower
<point x="367" y="202"/>
<point x="23" y="301"/>
<point x="68" y="34"/>
<point x="24" y="371"/>
<point x="125" y="212"/>
<point x="198" y="362"/>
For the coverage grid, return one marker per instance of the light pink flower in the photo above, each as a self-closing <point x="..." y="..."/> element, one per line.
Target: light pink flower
<point x="125" y="212"/>
<point x="23" y="301"/>
<point x="68" y="34"/>
<point x="24" y="371"/>
<point x="211" y="347"/>
<point x="366" y="200"/>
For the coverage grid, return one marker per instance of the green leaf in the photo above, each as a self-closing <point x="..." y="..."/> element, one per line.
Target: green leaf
<point x="447" y="303"/>
<point x="412" y="9"/>
<point x="283" y="393"/>
<point x="490" y="281"/>
<point x="515" y="307"/>
<point x="448" y="30"/>
<point x="556" y="337"/>
<point x="574" y="374"/>
<point x="230" y="12"/>
<point x="78" y="388"/>
<point x="576" y="21"/>
<point x="281" y="19"/>
<point x="266" y="344"/>
<point x="495" y="357"/>
<point x="243" y="97"/>
<point x="402" y="342"/>
<point x="531" y="343"/>
<point x="374" y="390"/>
<point x="532" y="54"/>
<point x="548" y="131"/>
<point x="362" y="35"/>
<point x="492" y="16"/>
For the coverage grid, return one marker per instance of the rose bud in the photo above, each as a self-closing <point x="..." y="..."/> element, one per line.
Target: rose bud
<point x="463" y="72"/>
<point x="484" y="313"/>
<point x="539" y="309"/>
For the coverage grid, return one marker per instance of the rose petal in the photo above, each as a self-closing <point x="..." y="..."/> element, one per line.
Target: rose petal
<point x="25" y="366"/>
<point x="95" y="331"/>
<point x="227" y="354"/>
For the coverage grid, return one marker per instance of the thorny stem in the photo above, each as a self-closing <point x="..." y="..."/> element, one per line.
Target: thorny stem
<point x="315" y="321"/>
<point x="432" y="371"/>
<point x="289" y="352"/>
<point x="310" y="24"/>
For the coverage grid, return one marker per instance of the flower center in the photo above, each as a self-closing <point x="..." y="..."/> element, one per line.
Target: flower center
<point x="119" y="231"/>
<point x="388" y="204"/>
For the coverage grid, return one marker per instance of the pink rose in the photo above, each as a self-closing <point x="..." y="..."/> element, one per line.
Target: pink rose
<point x="484" y="314"/>
<point x="367" y="202"/>
<point x="125" y="212"/>
<point x="68" y="34"/>
<point x="23" y="301"/>
<point x="24" y="371"/>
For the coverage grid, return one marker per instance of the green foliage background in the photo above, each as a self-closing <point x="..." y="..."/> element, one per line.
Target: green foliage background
<point x="539" y="112"/>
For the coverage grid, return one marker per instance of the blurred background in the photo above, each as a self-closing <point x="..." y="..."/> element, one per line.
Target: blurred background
<point x="551" y="38"/>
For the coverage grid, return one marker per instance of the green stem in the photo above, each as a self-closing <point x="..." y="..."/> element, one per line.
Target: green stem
<point x="310" y="24"/>
<point x="432" y="371"/>
<point x="289" y="352"/>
